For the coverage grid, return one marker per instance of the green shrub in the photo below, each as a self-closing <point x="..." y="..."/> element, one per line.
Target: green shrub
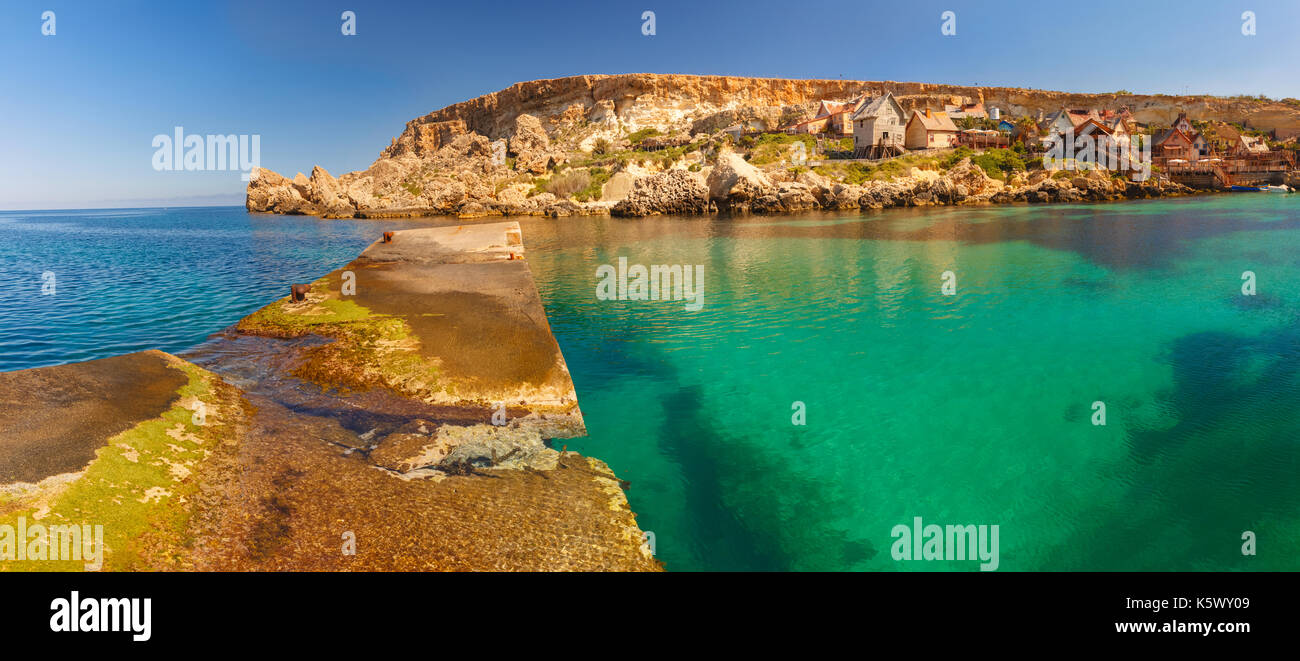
<point x="774" y="147"/>
<point x="1000" y="162"/>
<point x="842" y="144"/>
<point x="539" y="186"/>
<point x="851" y="173"/>
<point x="597" y="178"/>
<point x="566" y="183"/>
<point x="637" y="137"/>
<point x="957" y="155"/>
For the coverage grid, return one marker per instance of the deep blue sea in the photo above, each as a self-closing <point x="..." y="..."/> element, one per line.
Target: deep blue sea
<point x="132" y="279"/>
<point x="971" y="409"/>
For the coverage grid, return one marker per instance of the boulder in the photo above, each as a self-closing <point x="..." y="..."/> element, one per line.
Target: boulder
<point x="734" y="184"/>
<point x="671" y="192"/>
<point x="329" y="196"/>
<point x="514" y="195"/>
<point x="487" y="446"/>
<point x="789" y="197"/>
<point x="618" y="187"/>
<point x="972" y="179"/>
<point x="562" y="208"/>
<point x="843" y="197"/>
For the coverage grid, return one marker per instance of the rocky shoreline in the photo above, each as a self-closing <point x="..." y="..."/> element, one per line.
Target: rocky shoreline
<point x="735" y="186"/>
<point x="731" y="186"/>
<point x="643" y="144"/>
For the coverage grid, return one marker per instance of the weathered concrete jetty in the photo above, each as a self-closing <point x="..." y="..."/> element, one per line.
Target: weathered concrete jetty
<point x="402" y="416"/>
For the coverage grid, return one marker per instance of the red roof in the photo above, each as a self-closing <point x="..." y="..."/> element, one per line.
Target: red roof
<point x="1094" y="122"/>
<point x="1078" y="117"/>
<point x="1169" y="134"/>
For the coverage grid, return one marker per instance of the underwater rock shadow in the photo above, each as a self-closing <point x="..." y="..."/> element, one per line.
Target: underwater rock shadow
<point x="1197" y="485"/>
<point x="747" y="531"/>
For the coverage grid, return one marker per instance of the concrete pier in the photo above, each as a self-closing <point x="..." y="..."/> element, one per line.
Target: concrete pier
<point x="407" y="415"/>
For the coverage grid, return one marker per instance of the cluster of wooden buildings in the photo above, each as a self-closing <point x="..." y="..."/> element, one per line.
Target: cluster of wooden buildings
<point x="881" y="128"/>
<point x="1215" y="153"/>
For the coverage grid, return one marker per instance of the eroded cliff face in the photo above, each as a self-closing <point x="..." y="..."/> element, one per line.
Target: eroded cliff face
<point x="450" y="161"/>
<point x="660" y="100"/>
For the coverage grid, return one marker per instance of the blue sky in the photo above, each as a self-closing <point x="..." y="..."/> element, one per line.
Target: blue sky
<point x="80" y="109"/>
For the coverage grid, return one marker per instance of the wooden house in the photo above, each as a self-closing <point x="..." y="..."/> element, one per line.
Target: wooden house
<point x="832" y="118"/>
<point x="879" y="126"/>
<point x="1252" y="144"/>
<point x="1061" y="121"/>
<point x="930" y="130"/>
<point x="1174" y="144"/>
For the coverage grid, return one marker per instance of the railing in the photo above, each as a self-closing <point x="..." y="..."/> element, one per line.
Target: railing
<point x="1272" y="162"/>
<point x="978" y="141"/>
<point x="658" y="145"/>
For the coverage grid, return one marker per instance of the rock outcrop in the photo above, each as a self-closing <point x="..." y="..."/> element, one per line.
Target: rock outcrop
<point x="667" y="193"/>
<point x="734" y="184"/>
<point x="1093" y="186"/>
<point x="532" y="147"/>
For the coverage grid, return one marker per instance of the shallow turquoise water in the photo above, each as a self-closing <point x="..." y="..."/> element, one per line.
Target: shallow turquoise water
<point x="965" y="409"/>
<point x="969" y="409"/>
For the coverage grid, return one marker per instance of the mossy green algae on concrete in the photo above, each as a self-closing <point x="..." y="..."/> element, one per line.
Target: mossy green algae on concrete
<point x="141" y="486"/>
<point x="368" y="349"/>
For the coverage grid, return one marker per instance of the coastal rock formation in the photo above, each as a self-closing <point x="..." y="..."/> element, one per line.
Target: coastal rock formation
<point x="532" y="147"/>
<point x="734" y="184"/>
<point x="269" y="191"/>
<point x="672" y="192"/>
<point x="443" y="163"/>
<point x="1093" y="187"/>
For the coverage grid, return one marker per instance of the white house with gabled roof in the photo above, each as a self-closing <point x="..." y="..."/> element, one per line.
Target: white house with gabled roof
<point x="879" y="124"/>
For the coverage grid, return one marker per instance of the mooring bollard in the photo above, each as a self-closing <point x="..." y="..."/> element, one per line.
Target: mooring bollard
<point x="298" y="293"/>
<point x="388" y="237"/>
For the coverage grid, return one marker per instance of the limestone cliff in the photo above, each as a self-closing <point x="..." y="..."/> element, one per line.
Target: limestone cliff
<point x="640" y="100"/>
<point x="485" y="156"/>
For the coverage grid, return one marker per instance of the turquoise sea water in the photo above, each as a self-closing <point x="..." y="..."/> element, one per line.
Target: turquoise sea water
<point x="968" y="409"/>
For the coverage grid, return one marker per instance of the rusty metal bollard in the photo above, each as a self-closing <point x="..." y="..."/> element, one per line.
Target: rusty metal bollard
<point x="298" y="293"/>
<point x="388" y="237"/>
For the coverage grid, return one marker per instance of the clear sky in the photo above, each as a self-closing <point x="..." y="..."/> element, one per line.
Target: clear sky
<point x="80" y="109"/>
